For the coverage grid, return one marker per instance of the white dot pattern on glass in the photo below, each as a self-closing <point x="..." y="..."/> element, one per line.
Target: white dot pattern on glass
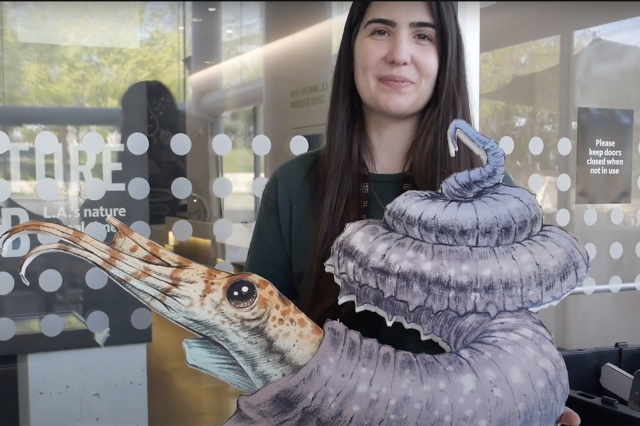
<point x="50" y="280"/>
<point x="46" y="142"/>
<point x="615" y="251"/>
<point x="5" y="142"/>
<point x="94" y="189"/>
<point x="141" y="228"/>
<point x="638" y="181"/>
<point x="7" y="329"/>
<point x="638" y="249"/>
<point x="181" y="188"/>
<point x="536" y="145"/>
<point x="6" y="283"/>
<point x="97" y="321"/>
<point x="141" y="318"/>
<point x="506" y="144"/>
<point x="562" y="217"/>
<point x="590" y="217"/>
<point x="222" y="229"/>
<point x="617" y="216"/>
<point x="96" y="278"/>
<point x="97" y="230"/>
<point x="591" y="250"/>
<point x="138" y="188"/>
<point x="615" y="284"/>
<point x="93" y="143"/>
<point x="564" y="146"/>
<point x="180" y="144"/>
<point x="51" y="325"/>
<point x="589" y="285"/>
<point x="137" y="143"/>
<point x="47" y="189"/>
<point x="222" y="187"/>
<point x="182" y="230"/>
<point x="224" y="266"/>
<point x="261" y="145"/>
<point x="47" y="239"/>
<point x="258" y="185"/>
<point x="299" y="145"/>
<point x="535" y="182"/>
<point x="637" y="282"/>
<point x="5" y="190"/>
<point x="221" y="144"/>
<point x="563" y="182"/>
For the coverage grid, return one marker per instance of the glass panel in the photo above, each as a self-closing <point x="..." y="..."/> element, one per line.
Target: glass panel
<point x="169" y="117"/>
<point x="559" y="94"/>
<point x="339" y="11"/>
<point x="242" y="37"/>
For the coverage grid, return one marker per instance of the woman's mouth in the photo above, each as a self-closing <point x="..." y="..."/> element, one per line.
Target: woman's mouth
<point x="395" y="82"/>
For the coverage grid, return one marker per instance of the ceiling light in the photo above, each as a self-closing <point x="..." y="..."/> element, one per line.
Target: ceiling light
<point x="229" y="31"/>
<point x="212" y="9"/>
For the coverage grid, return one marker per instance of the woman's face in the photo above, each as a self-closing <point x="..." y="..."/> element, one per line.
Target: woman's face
<point x="396" y="58"/>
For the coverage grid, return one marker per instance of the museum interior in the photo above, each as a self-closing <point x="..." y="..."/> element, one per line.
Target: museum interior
<point x="171" y="117"/>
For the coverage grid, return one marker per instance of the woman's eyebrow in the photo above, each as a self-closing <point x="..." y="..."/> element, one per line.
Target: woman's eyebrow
<point x="391" y="23"/>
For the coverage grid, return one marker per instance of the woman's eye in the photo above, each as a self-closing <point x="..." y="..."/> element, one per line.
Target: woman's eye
<point x="380" y="32"/>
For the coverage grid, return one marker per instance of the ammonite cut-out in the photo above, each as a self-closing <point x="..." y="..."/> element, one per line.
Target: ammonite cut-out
<point x="466" y="266"/>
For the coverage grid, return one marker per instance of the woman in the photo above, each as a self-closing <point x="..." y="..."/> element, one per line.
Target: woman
<point x="399" y="81"/>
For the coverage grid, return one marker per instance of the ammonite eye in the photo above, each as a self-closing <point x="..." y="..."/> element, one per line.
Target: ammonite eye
<point x="242" y="294"/>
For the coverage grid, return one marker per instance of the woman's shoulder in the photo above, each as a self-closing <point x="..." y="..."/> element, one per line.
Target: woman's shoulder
<point x="299" y="165"/>
<point x="291" y="185"/>
<point x="295" y="172"/>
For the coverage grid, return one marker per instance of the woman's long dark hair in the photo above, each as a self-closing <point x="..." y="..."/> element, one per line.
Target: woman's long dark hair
<point x="428" y="160"/>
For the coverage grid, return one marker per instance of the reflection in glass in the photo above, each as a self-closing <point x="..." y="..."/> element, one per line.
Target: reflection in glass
<point x="530" y="93"/>
<point x="542" y="87"/>
<point x="104" y="110"/>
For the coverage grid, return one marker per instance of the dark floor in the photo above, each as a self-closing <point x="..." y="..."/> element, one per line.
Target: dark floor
<point x="10" y="414"/>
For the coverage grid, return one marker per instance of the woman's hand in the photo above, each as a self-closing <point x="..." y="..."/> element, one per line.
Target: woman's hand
<point x="569" y="418"/>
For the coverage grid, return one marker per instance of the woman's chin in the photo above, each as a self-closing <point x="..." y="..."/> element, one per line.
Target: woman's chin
<point x="398" y="113"/>
<point x="396" y="108"/>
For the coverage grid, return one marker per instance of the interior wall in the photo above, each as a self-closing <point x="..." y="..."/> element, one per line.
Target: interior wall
<point x="297" y="74"/>
<point x="84" y="386"/>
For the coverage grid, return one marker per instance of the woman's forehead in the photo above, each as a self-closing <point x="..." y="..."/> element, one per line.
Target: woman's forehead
<point x="400" y="13"/>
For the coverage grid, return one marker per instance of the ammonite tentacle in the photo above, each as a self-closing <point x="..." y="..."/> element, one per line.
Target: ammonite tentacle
<point x="493" y="376"/>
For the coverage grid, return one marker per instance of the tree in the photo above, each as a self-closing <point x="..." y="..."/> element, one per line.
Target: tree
<point x="87" y="76"/>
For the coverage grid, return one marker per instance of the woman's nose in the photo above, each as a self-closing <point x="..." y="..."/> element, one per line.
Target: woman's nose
<point x="399" y="53"/>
